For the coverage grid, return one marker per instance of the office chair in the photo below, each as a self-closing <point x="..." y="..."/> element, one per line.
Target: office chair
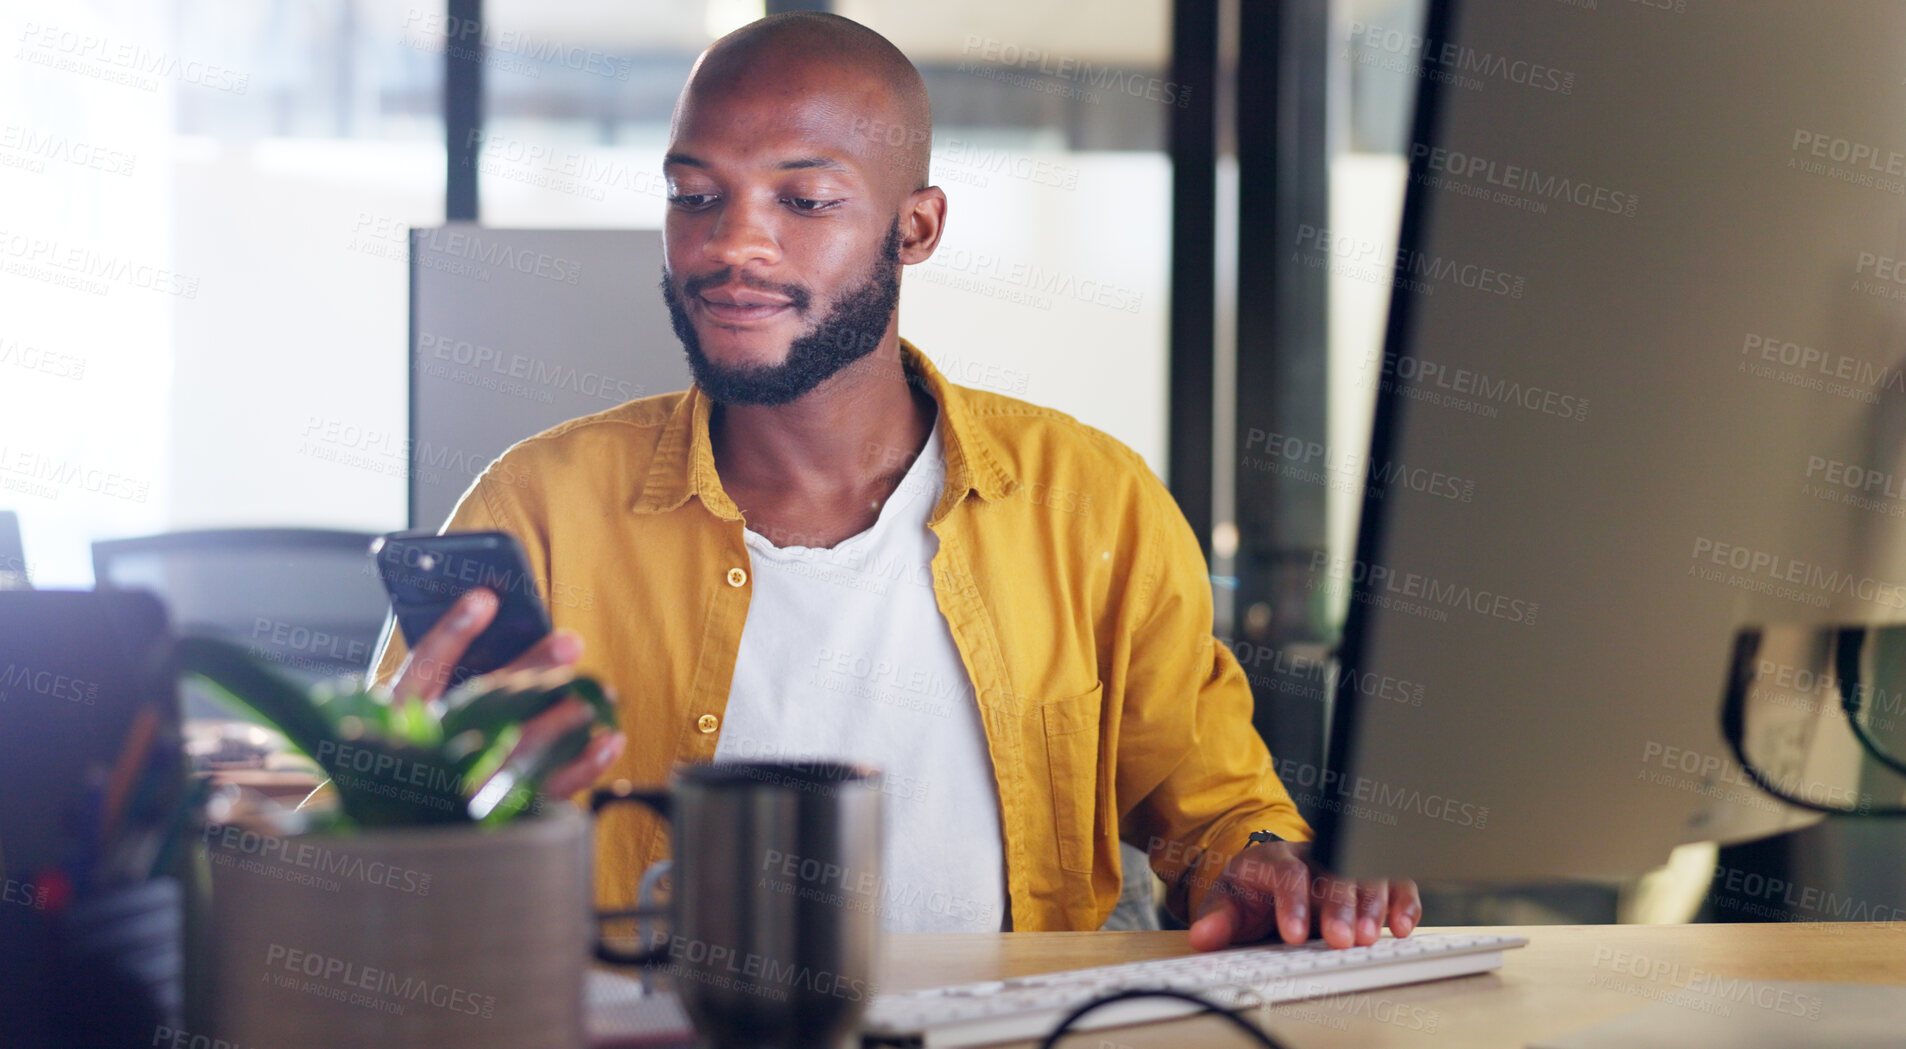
<point x="307" y="600"/>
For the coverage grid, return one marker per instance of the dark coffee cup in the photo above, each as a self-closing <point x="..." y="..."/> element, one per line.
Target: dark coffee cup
<point x="775" y="913"/>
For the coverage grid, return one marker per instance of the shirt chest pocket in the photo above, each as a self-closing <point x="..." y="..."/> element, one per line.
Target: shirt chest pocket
<point x="1071" y="728"/>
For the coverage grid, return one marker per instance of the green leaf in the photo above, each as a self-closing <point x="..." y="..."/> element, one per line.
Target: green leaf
<point x="387" y="783"/>
<point x="239" y="680"/>
<point x="361" y="711"/>
<point x="395" y="763"/>
<point x="518" y="782"/>
<point x="489" y="756"/>
<point x="476" y="714"/>
<point x="411" y="721"/>
<point x="592" y="693"/>
<point x="498" y="700"/>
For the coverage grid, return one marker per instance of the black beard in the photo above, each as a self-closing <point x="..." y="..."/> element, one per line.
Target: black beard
<point x="851" y="330"/>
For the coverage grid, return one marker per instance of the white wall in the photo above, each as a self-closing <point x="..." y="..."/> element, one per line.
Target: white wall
<point x="289" y="399"/>
<point x="1053" y="294"/>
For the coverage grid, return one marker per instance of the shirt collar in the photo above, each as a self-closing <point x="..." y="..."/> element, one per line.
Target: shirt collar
<point x="684" y="460"/>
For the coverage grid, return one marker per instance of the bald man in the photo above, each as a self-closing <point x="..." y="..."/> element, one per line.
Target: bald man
<point x="826" y="550"/>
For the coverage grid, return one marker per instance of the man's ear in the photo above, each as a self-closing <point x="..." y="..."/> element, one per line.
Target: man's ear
<point x="922" y="219"/>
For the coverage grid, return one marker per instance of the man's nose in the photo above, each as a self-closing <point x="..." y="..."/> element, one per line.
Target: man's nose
<point x="742" y="234"/>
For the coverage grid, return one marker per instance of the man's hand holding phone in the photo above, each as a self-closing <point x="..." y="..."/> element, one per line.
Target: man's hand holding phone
<point x="430" y="667"/>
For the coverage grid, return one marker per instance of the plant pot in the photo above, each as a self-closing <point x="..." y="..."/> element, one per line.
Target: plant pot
<point x="431" y="936"/>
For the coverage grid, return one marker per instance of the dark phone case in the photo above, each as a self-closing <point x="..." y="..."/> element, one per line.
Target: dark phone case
<point x="426" y="574"/>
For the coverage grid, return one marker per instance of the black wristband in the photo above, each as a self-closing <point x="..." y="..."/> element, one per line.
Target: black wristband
<point x="1263" y="835"/>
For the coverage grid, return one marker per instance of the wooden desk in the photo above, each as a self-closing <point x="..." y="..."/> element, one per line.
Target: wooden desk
<point x="1567" y="978"/>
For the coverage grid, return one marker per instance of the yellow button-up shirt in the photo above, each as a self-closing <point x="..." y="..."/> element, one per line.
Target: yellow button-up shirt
<point x="1076" y="593"/>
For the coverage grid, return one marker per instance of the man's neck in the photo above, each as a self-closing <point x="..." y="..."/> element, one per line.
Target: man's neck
<point x="825" y="462"/>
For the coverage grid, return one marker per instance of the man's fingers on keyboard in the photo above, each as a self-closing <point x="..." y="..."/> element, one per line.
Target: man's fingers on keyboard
<point x="1373" y="904"/>
<point x="1290" y="891"/>
<point x="1336" y="902"/>
<point x="1217" y="918"/>
<point x="1236" y="910"/>
<point x="426" y="671"/>
<point x="1406" y="906"/>
<point x="1267" y="887"/>
<point x="1255" y="907"/>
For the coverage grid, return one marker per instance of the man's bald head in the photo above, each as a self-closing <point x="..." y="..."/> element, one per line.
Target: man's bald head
<point x="800" y="52"/>
<point x="797" y="176"/>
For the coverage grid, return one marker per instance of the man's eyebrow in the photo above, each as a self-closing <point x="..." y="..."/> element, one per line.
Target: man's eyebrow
<point x="812" y="162"/>
<point x="796" y="164"/>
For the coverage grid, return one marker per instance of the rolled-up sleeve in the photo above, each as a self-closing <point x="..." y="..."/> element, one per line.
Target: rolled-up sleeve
<point x="1189" y="753"/>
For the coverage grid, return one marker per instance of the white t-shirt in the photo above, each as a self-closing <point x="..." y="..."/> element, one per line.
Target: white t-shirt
<point x="845" y="656"/>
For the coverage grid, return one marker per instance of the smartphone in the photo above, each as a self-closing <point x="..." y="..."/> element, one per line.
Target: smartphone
<point x="425" y="574"/>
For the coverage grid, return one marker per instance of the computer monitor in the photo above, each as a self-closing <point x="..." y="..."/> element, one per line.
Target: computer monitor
<point x="1649" y="326"/>
<point x="569" y="324"/>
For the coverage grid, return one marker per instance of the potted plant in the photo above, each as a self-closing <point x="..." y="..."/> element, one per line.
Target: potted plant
<point x="437" y="903"/>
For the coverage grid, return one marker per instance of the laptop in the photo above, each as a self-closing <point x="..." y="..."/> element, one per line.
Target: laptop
<point x="89" y="725"/>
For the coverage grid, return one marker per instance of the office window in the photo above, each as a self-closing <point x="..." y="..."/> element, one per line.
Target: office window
<point x="1053" y="280"/>
<point x="577" y="97"/>
<point x="204" y="304"/>
<point x="1376" y="65"/>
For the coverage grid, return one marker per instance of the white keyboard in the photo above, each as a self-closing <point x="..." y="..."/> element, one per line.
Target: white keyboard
<point x="1029" y="1007"/>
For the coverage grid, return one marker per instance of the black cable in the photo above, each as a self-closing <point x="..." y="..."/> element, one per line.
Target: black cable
<point x="1208" y="1006"/>
<point x="1847" y="658"/>
<point x="1759" y="779"/>
<point x="1873" y="747"/>
<point x="1734" y="730"/>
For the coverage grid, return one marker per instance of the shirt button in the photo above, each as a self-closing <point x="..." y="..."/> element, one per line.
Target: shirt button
<point x="708" y="722"/>
<point x="736" y="577"/>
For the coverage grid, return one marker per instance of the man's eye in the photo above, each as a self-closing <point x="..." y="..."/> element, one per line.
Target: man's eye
<point x="690" y="200"/>
<point x="809" y="204"/>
